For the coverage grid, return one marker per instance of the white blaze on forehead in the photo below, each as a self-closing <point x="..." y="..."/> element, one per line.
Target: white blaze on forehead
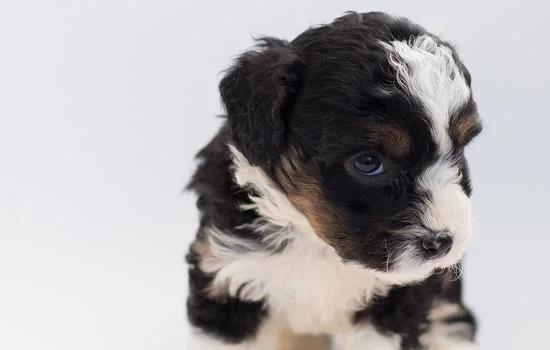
<point x="448" y="207"/>
<point x="428" y="71"/>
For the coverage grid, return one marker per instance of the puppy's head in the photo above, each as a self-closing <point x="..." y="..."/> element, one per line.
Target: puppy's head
<point x="362" y="123"/>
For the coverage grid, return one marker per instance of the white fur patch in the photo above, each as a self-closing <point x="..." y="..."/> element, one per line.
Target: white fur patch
<point x="441" y="336"/>
<point x="429" y="72"/>
<point x="409" y="267"/>
<point x="368" y="338"/>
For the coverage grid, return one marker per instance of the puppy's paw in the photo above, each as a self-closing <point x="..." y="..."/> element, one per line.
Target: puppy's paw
<point x="455" y="346"/>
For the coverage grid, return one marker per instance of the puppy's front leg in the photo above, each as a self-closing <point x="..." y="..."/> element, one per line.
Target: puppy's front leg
<point x="199" y="341"/>
<point x="224" y="322"/>
<point x="452" y="327"/>
<point x="366" y="337"/>
<point x="265" y="339"/>
<point x="221" y="321"/>
<point x="270" y="337"/>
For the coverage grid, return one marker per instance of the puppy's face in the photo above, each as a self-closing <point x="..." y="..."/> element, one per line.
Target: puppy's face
<point x="365" y="135"/>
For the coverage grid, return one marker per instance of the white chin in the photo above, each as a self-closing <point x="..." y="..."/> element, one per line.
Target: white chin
<point x="409" y="268"/>
<point x="408" y="275"/>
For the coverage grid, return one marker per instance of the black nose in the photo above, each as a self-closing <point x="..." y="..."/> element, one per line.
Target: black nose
<point x="436" y="244"/>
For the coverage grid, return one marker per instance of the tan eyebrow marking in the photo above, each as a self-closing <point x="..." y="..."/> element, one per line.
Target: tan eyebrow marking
<point x="394" y="138"/>
<point x="462" y="129"/>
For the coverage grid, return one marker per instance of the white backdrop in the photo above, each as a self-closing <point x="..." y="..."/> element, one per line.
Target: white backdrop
<point x="104" y="103"/>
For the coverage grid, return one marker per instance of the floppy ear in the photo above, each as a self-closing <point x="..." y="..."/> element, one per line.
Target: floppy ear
<point x="257" y="93"/>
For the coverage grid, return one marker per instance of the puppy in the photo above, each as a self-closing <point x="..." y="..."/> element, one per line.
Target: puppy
<point x="334" y="200"/>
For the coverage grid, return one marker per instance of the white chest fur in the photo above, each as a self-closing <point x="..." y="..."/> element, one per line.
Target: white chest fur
<point x="313" y="291"/>
<point x="307" y="286"/>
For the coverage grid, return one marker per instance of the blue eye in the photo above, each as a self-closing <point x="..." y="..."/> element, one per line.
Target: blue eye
<point x="368" y="164"/>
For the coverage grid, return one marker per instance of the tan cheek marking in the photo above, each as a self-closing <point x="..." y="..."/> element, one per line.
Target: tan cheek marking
<point x="320" y="218"/>
<point x="305" y="194"/>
